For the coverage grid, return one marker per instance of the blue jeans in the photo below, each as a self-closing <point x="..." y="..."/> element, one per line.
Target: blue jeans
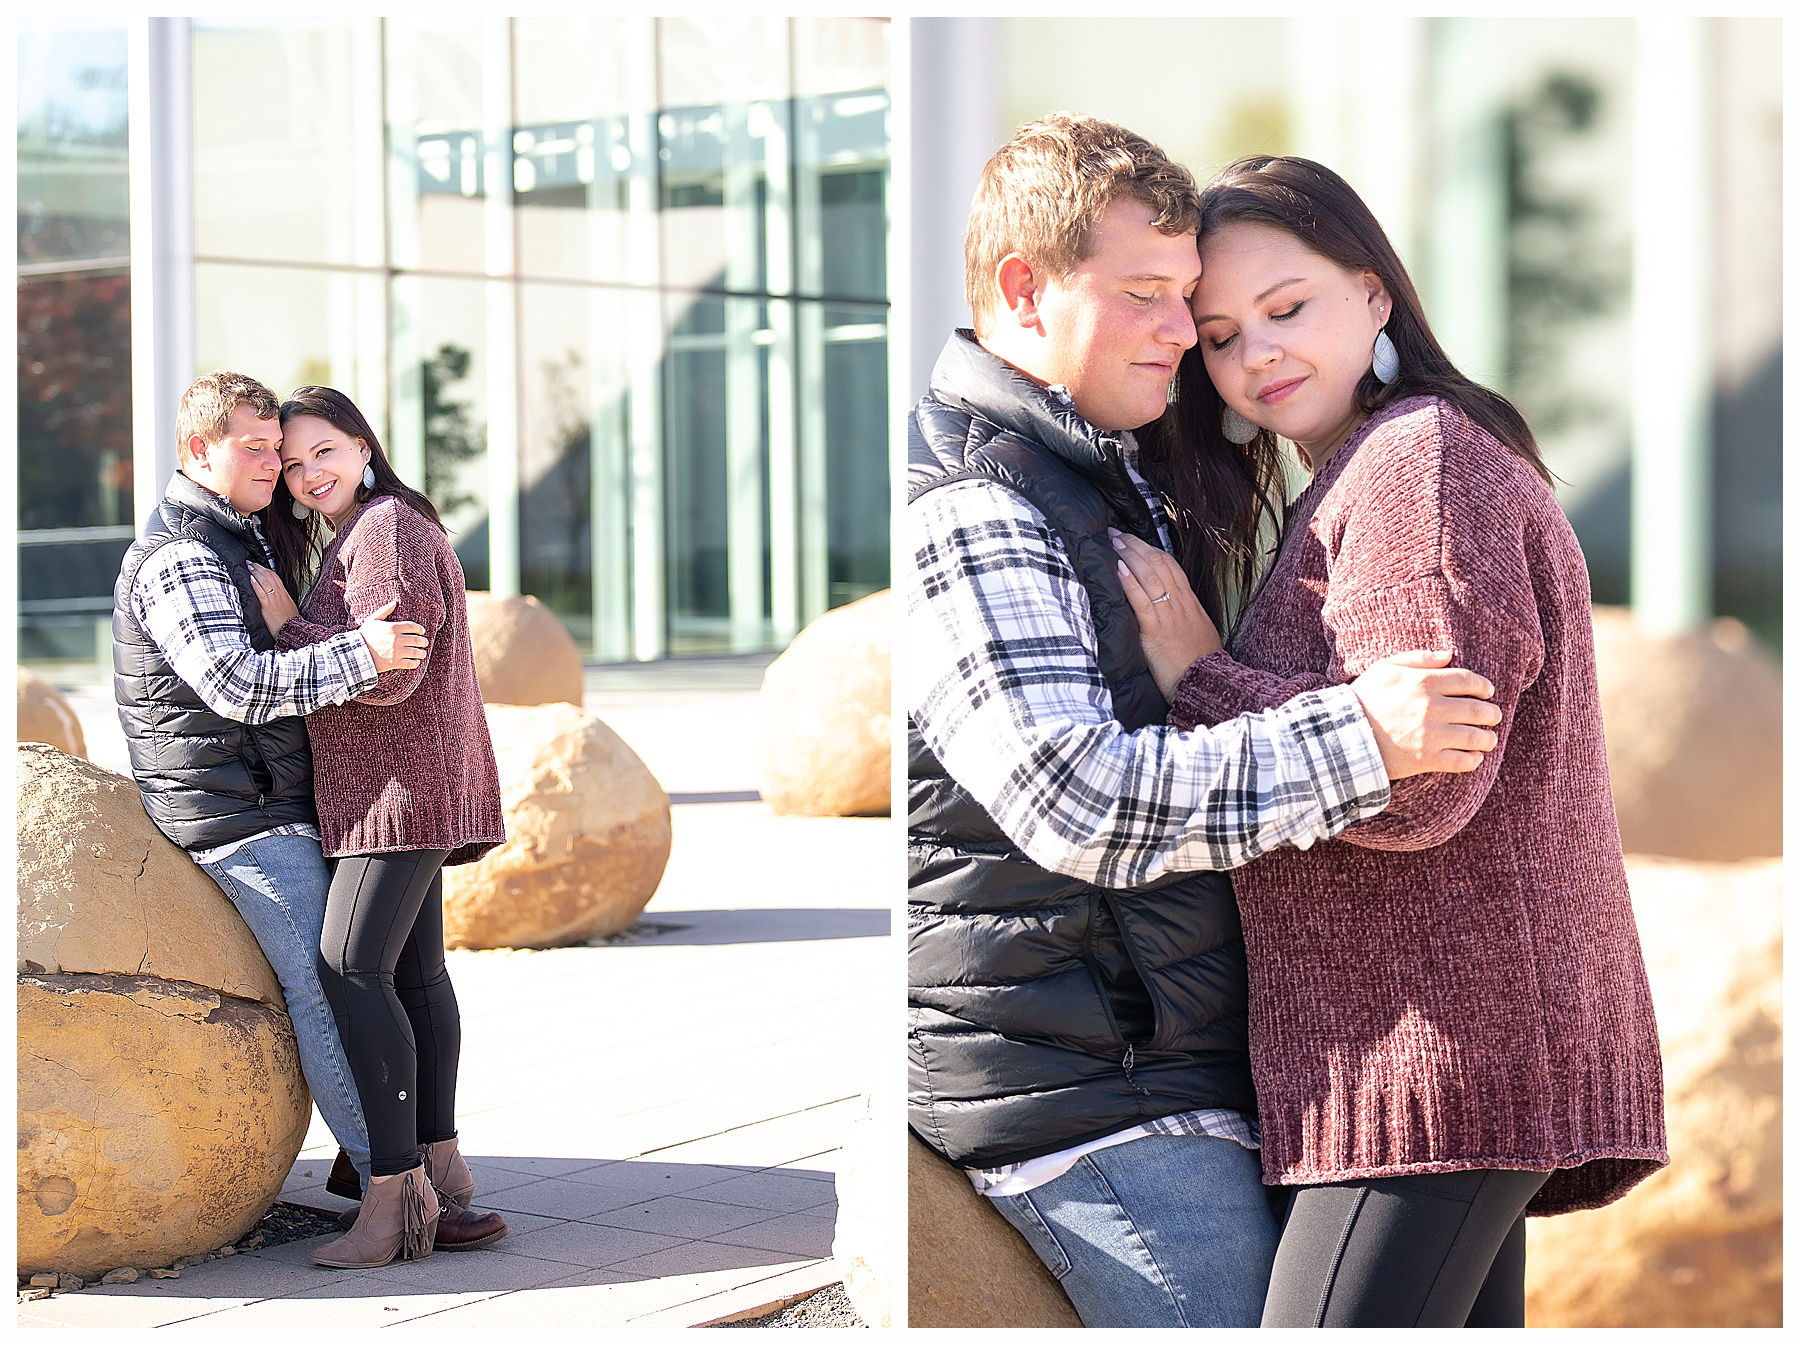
<point x="278" y="884"/>
<point x="1163" y="1230"/>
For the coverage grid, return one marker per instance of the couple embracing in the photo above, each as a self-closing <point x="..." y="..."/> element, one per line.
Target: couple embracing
<point x="322" y="764"/>
<point x="1332" y="1095"/>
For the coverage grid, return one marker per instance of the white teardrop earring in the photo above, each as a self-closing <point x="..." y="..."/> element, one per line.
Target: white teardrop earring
<point x="368" y="477"/>
<point x="1237" y="427"/>
<point x="1387" y="360"/>
<point x="300" y="510"/>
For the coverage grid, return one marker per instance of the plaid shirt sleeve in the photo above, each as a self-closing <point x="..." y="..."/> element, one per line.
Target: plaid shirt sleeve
<point x="1002" y="678"/>
<point x="185" y="601"/>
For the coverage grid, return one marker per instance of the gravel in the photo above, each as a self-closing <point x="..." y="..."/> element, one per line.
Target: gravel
<point x="829" y="1307"/>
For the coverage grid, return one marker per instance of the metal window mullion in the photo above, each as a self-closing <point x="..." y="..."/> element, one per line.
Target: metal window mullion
<point x="783" y="457"/>
<point x="645" y="318"/>
<point x="1672" y="299"/>
<point x="743" y="390"/>
<point x="502" y="299"/>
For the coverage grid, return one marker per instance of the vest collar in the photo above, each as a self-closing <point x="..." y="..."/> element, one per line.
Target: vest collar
<point x="189" y="494"/>
<point x="971" y="378"/>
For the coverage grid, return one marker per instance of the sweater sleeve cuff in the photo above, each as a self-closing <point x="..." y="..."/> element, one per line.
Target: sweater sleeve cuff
<point x="1335" y="737"/>
<point x="1213" y="689"/>
<point x="297" y="632"/>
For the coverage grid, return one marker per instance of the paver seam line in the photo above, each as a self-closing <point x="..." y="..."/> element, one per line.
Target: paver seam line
<point x="779" y="1116"/>
<point x="824" y="1266"/>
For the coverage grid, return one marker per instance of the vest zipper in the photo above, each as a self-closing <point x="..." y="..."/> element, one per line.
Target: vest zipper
<point x="1129" y="1060"/>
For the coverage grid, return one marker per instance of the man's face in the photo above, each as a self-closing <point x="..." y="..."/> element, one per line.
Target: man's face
<point x="244" y="465"/>
<point x="1115" y="327"/>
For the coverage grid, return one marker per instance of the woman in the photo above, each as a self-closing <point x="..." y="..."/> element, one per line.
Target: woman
<point x="405" y="782"/>
<point x="1450" y="1024"/>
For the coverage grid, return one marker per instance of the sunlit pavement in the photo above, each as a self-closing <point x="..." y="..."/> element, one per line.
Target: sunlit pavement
<point x="657" y="1118"/>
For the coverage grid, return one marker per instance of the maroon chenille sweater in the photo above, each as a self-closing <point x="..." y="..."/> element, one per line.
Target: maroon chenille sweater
<point x="1456" y="982"/>
<point x="408" y="764"/>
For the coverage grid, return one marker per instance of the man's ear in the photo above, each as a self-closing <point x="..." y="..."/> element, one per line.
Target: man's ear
<point x="1020" y="286"/>
<point x="197" y="450"/>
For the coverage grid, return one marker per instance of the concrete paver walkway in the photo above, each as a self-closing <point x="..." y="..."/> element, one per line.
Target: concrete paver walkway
<point x="658" y="1118"/>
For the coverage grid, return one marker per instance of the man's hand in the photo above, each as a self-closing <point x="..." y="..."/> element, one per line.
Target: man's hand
<point x="394" y="644"/>
<point x="1427" y="717"/>
<point x="1172" y="624"/>
<point x="272" y="596"/>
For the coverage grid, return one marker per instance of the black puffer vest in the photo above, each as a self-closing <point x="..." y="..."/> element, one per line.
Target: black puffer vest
<point x="1044" y="1011"/>
<point x="206" y="780"/>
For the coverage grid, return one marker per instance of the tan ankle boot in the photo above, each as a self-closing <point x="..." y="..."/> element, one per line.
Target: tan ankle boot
<point x="399" y="1217"/>
<point x="448" y="1172"/>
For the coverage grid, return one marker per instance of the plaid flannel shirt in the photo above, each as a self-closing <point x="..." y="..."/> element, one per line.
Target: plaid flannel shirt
<point x="185" y="601"/>
<point x="1002" y="678"/>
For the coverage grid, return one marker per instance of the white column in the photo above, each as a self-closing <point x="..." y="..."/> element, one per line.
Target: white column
<point x="947" y="105"/>
<point x="502" y="309"/>
<point x="160" y="100"/>
<point x="1465" y="279"/>
<point x="811" y="504"/>
<point x="1671" y="318"/>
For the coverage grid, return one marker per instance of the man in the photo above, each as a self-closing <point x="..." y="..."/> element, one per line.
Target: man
<point x="1077" y="973"/>
<point x="211" y="708"/>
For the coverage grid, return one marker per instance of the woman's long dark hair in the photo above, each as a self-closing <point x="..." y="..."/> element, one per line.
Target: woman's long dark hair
<point x="1218" y="492"/>
<point x="297" y="542"/>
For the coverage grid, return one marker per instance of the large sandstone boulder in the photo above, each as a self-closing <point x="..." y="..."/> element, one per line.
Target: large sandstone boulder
<point x="825" y="716"/>
<point x="45" y="717"/>
<point x="1693" y="739"/>
<point x="523" y="654"/>
<point x="966" y="1266"/>
<point x="161" y="1103"/>
<point x="865" y="1246"/>
<point x="1699" y="1243"/>
<point x="587" y="836"/>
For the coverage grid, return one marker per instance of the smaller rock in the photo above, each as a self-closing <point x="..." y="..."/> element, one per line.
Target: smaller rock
<point x="251" y="1243"/>
<point x="46" y="717"/>
<point x="45" y="1281"/>
<point x="226" y="1250"/>
<point x="70" y="1282"/>
<point x="524" y="655"/>
<point x="123" y="1275"/>
<point x="165" y="1274"/>
<point x="32" y="1295"/>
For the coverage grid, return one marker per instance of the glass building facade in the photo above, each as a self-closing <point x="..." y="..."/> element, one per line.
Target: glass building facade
<point x="613" y="291"/>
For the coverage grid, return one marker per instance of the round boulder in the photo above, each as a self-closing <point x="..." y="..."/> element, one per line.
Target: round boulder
<point x="45" y="717"/>
<point x="1699" y="1243"/>
<point x="523" y="654"/>
<point x="587" y="836"/>
<point x="965" y="1265"/>
<point x="161" y="1102"/>
<point x="825" y="716"/>
<point x="1693" y="739"/>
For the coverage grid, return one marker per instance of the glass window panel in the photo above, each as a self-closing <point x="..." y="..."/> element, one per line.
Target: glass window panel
<point x="73" y="174"/>
<point x="574" y="523"/>
<point x="706" y="61"/>
<point x="840" y="56"/>
<point x="584" y="148"/>
<point x="75" y="401"/>
<point x="287" y="141"/>
<point x="436" y="172"/>
<point x="291" y="326"/>
<point x="856" y="463"/>
<point x="439" y="436"/>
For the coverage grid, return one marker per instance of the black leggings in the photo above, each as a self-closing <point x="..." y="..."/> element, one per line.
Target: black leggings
<point x="1437" y="1249"/>
<point x="381" y="962"/>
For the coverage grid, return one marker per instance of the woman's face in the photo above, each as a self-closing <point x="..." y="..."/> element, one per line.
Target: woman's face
<point x="1285" y="333"/>
<point x="322" y="466"/>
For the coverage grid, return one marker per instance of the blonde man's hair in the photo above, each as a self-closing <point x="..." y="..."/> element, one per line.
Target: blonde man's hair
<point x="207" y="405"/>
<point x="1043" y="191"/>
